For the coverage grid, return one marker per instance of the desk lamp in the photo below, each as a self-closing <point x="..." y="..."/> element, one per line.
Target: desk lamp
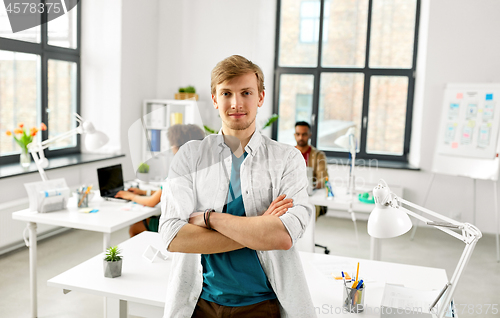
<point x="390" y="219"/>
<point x="348" y="141"/>
<point x="94" y="139"/>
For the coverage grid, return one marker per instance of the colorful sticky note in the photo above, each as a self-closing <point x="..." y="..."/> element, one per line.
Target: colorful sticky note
<point x="460" y="95"/>
<point x="454" y="145"/>
<point x="489" y="96"/>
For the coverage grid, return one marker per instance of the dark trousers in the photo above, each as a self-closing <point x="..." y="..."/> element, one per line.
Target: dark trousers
<point x="264" y="309"/>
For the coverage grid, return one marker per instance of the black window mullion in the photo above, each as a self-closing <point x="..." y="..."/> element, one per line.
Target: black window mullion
<point x="366" y="87"/>
<point x="44" y="77"/>
<point x="317" y="78"/>
<point x="411" y="86"/>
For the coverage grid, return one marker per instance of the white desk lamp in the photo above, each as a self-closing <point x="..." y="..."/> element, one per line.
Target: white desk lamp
<point x="94" y="139"/>
<point x="390" y="219"/>
<point x="348" y="141"/>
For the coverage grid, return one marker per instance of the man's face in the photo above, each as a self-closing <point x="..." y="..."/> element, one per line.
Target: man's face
<point x="302" y="135"/>
<point x="237" y="101"/>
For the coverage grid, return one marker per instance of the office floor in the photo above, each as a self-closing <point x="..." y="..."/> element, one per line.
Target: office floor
<point x="477" y="289"/>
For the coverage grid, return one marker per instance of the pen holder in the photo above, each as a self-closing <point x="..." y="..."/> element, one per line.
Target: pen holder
<point x="354" y="299"/>
<point x="86" y="198"/>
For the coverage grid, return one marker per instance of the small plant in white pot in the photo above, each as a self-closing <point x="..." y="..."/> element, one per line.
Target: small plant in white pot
<point x="143" y="172"/>
<point x="112" y="262"/>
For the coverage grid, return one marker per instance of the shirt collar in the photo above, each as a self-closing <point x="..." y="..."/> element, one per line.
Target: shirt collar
<point x="250" y="148"/>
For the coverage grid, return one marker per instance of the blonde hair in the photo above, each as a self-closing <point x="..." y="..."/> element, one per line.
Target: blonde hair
<point x="232" y="67"/>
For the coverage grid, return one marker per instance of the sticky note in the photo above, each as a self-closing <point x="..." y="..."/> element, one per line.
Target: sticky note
<point x="460" y="95"/>
<point x="489" y="96"/>
<point x="454" y="145"/>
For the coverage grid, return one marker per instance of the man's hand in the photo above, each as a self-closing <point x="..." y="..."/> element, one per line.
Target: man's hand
<point x="136" y="191"/>
<point x="125" y="195"/>
<point x="196" y="218"/>
<point x="279" y="206"/>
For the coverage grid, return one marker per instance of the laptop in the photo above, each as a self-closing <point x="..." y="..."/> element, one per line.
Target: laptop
<point x="110" y="182"/>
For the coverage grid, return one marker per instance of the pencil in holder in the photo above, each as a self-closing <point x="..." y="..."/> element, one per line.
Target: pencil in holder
<point x="354" y="299"/>
<point x="83" y="199"/>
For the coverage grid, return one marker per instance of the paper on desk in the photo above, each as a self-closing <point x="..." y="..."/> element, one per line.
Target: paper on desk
<point x="329" y="268"/>
<point x="397" y="296"/>
<point x="131" y="206"/>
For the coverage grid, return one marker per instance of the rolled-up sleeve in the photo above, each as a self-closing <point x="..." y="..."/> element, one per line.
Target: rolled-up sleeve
<point x="177" y="199"/>
<point x="294" y="185"/>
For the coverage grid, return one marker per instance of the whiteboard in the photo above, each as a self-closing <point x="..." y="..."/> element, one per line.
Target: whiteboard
<point x="467" y="141"/>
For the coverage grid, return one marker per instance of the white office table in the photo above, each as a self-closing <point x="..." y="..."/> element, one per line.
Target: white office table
<point x="112" y="216"/>
<point x="342" y="201"/>
<point x="141" y="289"/>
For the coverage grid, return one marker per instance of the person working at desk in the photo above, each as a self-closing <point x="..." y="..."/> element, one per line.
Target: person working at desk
<point x="235" y="258"/>
<point x="178" y="135"/>
<point x="315" y="159"/>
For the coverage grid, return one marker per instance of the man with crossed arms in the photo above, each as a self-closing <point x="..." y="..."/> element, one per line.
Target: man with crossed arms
<point x="235" y="205"/>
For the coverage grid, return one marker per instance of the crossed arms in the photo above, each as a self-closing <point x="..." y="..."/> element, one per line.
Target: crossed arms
<point x="265" y="232"/>
<point x="277" y="228"/>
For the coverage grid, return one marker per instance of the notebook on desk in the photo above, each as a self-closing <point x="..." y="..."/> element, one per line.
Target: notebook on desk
<point x="110" y="182"/>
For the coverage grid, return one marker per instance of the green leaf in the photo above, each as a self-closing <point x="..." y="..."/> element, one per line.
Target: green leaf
<point x="271" y="120"/>
<point x="209" y="130"/>
<point x="113" y="254"/>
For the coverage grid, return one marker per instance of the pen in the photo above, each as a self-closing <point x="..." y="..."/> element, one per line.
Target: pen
<point x="357" y="273"/>
<point x="343" y="278"/>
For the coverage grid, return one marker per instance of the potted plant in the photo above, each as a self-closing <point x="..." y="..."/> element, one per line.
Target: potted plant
<point x="188" y="92"/>
<point x="112" y="262"/>
<point x="143" y="172"/>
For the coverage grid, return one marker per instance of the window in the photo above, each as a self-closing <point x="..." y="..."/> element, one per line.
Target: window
<point x="361" y="74"/>
<point x="40" y="81"/>
<point x="309" y="21"/>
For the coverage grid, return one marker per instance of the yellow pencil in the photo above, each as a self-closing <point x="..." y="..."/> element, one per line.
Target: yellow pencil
<point x="357" y="273"/>
<point x="357" y="278"/>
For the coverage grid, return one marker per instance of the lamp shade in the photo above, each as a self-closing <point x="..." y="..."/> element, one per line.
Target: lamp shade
<point x="95" y="140"/>
<point x="344" y="141"/>
<point x="387" y="220"/>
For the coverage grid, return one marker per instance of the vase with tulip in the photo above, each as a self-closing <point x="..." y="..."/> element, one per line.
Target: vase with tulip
<point x="23" y="137"/>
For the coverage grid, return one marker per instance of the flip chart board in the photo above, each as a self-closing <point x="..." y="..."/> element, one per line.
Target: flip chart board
<point x="467" y="141"/>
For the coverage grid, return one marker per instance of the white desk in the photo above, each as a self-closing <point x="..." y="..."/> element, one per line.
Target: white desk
<point x="141" y="289"/>
<point x="112" y="216"/>
<point x="342" y="201"/>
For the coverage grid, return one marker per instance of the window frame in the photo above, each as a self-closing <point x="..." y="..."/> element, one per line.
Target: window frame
<point x="366" y="71"/>
<point x="49" y="52"/>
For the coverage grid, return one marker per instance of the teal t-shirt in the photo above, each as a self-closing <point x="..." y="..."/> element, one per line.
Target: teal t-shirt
<point x="235" y="278"/>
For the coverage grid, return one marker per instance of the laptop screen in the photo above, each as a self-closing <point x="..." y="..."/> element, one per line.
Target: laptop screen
<point x="110" y="180"/>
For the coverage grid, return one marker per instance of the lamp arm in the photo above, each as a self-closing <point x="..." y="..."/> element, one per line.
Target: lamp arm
<point x="45" y="144"/>
<point x="470" y="235"/>
<point x="428" y="221"/>
<point x="429" y="212"/>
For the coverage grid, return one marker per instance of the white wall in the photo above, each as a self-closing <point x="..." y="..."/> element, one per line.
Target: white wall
<point x="139" y="54"/>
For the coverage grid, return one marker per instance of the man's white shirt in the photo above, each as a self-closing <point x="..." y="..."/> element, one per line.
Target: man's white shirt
<point x="199" y="180"/>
